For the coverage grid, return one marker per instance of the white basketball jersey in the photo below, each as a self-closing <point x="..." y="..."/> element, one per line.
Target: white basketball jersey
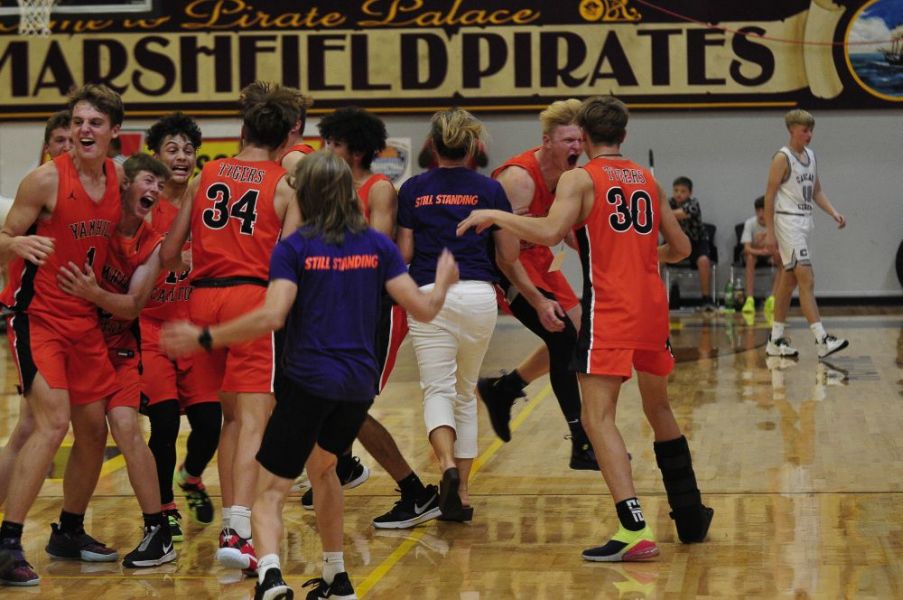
<point x="796" y="195"/>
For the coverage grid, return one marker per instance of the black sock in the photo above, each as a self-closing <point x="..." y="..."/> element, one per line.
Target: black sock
<point x="71" y="522"/>
<point x="630" y="514"/>
<point x="152" y="519"/>
<point x="10" y="531"/>
<point x="410" y="486"/>
<point x="578" y="435"/>
<point x="512" y="381"/>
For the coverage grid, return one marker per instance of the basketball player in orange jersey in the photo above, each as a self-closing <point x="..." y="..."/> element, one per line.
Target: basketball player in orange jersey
<point x="235" y="211"/>
<point x="530" y="179"/>
<point x="357" y="136"/>
<point x="617" y="211"/>
<point x="65" y="211"/>
<point x="295" y="149"/>
<point x="173" y="386"/>
<point x="57" y="140"/>
<point x="128" y="277"/>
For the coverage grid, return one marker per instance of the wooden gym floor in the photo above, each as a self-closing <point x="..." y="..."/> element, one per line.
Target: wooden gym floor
<point x="802" y="462"/>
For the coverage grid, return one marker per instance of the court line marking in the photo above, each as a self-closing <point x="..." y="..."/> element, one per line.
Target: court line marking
<point x="402" y="550"/>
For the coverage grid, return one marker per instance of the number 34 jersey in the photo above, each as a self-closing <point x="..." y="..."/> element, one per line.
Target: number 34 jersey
<point x="234" y="225"/>
<point x="624" y="303"/>
<point x="81" y="229"/>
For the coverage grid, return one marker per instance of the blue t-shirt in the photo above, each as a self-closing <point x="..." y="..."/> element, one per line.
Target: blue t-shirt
<point x="432" y="204"/>
<point x="330" y="347"/>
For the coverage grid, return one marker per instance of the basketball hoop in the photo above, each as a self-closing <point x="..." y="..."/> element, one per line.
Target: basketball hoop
<point x="34" y="17"/>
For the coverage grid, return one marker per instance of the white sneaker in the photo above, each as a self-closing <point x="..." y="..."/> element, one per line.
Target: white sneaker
<point x="830" y="344"/>
<point x="780" y="347"/>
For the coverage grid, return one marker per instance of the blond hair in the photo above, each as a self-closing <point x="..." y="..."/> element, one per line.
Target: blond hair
<point x="326" y="197"/>
<point x="456" y="133"/>
<point x="558" y="113"/>
<point x="798" y="116"/>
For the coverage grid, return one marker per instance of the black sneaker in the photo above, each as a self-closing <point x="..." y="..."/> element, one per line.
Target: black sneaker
<point x="498" y="400"/>
<point x="174" y="522"/>
<point x="273" y="587"/>
<point x="199" y="505"/>
<point x="78" y="546"/>
<point x="351" y="473"/>
<point x="583" y="458"/>
<point x="409" y="512"/>
<point x="17" y="572"/>
<point x="340" y="589"/>
<point x="154" y="550"/>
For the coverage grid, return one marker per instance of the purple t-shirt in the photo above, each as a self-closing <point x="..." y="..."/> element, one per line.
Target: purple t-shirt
<point x="432" y="204"/>
<point x="331" y="329"/>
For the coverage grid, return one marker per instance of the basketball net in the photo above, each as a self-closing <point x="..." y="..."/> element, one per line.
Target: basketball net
<point x="34" y="17"/>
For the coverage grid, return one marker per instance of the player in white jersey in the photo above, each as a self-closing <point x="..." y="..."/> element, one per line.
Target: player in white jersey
<point x="792" y="192"/>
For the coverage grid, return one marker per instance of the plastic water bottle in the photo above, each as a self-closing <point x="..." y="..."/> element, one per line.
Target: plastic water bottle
<point x="739" y="293"/>
<point x="729" y="294"/>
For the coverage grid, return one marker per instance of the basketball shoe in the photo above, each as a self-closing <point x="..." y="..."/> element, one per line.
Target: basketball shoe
<point x="499" y="398"/>
<point x="236" y="552"/>
<point x="78" y="546"/>
<point x="780" y="347"/>
<point x="625" y="546"/>
<point x="199" y="505"/>
<point x="154" y="550"/>
<point x="830" y="344"/>
<point x="409" y="512"/>
<point x="17" y="573"/>
<point x="174" y="522"/>
<point x="339" y="589"/>
<point x="273" y="587"/>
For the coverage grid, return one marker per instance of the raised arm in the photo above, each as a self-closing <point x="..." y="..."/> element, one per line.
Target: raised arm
<point x="183" y="338"/>
<point x="383" y="208"/>
<point x="424" y="306"/>
<point x="122" y="306"/>
<point x="171" y="250"/>
<point x="31" y="199"/>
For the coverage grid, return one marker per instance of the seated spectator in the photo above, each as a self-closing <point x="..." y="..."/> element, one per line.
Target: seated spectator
<point x="755" y="254"/>
<point x="689" y="215"/>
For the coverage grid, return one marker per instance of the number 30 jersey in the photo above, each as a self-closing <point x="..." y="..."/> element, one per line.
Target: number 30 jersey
<point x="81" y="229"/>
<point x="234" y="225"/>
<point x="624" y="303"/>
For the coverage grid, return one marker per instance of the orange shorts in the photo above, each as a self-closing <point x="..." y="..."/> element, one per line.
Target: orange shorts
<point x="127" y="363"/>
<point x="69" y="354"/>
<point x="247" y="367"/>
<point x="620" y="362"/>
<point x="164" y="378"/>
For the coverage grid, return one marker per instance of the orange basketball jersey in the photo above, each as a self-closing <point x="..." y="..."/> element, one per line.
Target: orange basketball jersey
<point x="169" y="299"/>
<point x="126" y="255"/>
<point x="234" y="225"/>
<point x="302" y="148"/>
<point x="363" y="192"/>
<point x="81" y="229"/>
<point x="624" y="303"/>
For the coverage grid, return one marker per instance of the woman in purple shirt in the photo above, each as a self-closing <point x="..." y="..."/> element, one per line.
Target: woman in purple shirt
<point x="325" y="286"/>
<point x="450" y="348"/>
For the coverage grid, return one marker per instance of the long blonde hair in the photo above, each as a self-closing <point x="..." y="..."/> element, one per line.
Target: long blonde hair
<point x="326" y="197"/>
<point x="456" y="133"/>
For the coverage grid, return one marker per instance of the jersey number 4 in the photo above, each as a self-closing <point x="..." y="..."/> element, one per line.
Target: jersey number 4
<point x="633" y="214"/>
<point x="244" y="209"/>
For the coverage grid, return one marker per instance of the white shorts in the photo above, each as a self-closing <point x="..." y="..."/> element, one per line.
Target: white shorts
<point x="792" y="233"/>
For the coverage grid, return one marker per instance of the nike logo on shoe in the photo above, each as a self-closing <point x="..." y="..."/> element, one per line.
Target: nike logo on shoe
<point x="419" y="510"/>
<point x="167" y="549"/>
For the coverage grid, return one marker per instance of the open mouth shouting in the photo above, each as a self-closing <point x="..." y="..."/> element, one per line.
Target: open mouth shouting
<point x="146" y="202"/>
<point x="180" y="171"/>
<point x="87" y="142"/>
<point x="572" y="160"/>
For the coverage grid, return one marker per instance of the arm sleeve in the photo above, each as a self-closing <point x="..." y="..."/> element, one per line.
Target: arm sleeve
<point x="285" y="262"/>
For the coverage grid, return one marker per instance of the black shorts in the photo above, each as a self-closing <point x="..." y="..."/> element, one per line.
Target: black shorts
<point x="301" y="420"/>
<point x="698" y="248"/>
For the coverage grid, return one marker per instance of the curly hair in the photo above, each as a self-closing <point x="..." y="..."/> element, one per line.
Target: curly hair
<point x="360" y="130"/>
<point x="173" y="124"/>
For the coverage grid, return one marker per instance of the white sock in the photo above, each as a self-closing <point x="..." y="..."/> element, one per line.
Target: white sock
<point x="241" y="521"/>
<point x="267" y="562"/>
<point x="227" y="517"/>
<point x="333" y="564"/>
<point x="818" y="330"/>
<point x="777" y="331"/>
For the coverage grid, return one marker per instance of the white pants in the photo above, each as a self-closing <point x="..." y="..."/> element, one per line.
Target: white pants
<point x="450" y="351"/>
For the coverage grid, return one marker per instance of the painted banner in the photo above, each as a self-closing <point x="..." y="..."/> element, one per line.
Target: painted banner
<point x="416" y="55"/>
